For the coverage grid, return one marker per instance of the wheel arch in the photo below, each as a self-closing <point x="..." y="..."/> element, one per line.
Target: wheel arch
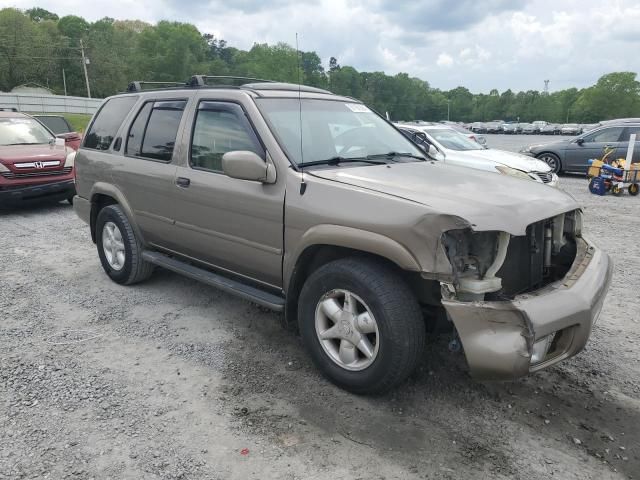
<point x="103" y="195"/>
<point x="326" y="243"/>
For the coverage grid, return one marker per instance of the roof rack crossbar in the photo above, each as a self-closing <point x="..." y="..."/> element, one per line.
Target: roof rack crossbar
<point x="138" y="86"/>
<point x="201" y="80"/>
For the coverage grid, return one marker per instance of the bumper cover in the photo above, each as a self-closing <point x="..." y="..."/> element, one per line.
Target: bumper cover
<point x="498" y="337"/>
<point x="82" y="207"/>
<point x="44" y="191"/>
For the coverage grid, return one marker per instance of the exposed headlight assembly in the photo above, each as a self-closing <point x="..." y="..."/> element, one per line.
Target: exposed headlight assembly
<point x="3" y="168"/>
<point x="512" y="172"/>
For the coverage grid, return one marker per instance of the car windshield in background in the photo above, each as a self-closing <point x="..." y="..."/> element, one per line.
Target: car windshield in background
<point x="23" y="131"/>
<point x="453" y="140"/>
<point x="336" y="131"/>
<point x="55" y="124"/>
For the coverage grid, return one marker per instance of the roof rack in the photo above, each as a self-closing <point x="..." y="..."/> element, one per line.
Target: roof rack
<point x="201" y="80"/>
<point x="228" y="81"/>
<point x="138" y="86"/>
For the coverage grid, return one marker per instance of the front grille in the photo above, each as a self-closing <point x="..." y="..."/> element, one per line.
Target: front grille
<point x="546" y="177"/>
<point x="11" y="175"/>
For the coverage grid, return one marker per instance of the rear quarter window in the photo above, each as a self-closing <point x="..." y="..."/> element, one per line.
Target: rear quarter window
<point x="107" y="121"/>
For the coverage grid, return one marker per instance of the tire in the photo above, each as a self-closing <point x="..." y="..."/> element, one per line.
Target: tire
<point x="70" y="201"/>
<point x="130" y="268"/>
<point x="552" y="160"/>
<point x="634" y="189"/>
<point x="399" y="338"/>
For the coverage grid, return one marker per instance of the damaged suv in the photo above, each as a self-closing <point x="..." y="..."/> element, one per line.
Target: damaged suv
<point x="312" y="204"/>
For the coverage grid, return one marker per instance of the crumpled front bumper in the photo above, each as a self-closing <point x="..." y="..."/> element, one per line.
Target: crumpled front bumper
<point x="498" y="337"/>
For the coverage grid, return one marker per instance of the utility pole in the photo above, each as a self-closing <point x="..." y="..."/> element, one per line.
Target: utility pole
<point x="448" y="110"/>
<point x="84" y="66"/>
<point x="64" y="82"/>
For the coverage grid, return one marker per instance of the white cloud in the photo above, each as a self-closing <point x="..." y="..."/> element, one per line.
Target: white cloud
<point x="444" y="60"/>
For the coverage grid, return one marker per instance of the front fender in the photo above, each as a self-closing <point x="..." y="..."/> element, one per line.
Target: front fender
<point x="348" y="237"/>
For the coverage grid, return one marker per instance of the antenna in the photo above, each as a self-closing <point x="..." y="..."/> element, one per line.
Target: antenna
<point x="303" y="186"/>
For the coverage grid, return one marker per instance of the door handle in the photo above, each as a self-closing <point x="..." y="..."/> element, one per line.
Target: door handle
<point x="183" y="182"/>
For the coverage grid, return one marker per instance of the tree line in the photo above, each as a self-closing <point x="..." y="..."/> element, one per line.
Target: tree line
<point x="36" y="46"/>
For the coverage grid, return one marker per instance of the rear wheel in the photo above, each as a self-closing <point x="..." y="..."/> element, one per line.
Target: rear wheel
<point x="634" y="188"/>
<point x="552" y="160"/>
<point x="119" y="250"/>
<point x="361" y="324"/>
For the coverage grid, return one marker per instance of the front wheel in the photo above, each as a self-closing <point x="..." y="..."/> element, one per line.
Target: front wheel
<point x="552" y="160"/>
<point x="361" y="324"/>
<point x="634" y="188"/>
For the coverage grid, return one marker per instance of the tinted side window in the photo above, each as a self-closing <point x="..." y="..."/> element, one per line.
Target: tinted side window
<point x="153" y="133"/>
<point x="627" y="133"/>
<point x="605" y="135"/>
<point x="107" y="121"/>
<point x="136" y="132"/>
<point x="220" y="128"/>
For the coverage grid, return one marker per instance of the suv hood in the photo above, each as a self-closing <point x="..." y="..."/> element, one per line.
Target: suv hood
<point x="485" y="200"/>
<point x="499" y="157"/>
<point x="11" y="154"/>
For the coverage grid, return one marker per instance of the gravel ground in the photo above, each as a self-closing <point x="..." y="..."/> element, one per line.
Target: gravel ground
<point x="171" y="379"/>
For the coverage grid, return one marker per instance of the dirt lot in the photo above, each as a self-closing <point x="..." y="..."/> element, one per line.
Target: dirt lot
<point x="172" y="379"/>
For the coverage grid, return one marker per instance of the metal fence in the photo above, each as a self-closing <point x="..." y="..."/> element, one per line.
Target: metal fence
<point x="35" y="103"/>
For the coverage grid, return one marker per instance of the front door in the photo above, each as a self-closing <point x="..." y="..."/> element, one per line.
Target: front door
<point x="594" y="145"/>
<point x="233" y="225"/>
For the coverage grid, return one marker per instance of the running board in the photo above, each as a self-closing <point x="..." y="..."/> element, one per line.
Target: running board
<point x="253" y="294"/>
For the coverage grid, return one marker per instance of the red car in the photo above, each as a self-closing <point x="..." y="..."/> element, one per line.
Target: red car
<point x="34" y="164"/>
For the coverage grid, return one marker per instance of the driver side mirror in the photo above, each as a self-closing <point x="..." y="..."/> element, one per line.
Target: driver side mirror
<point x="580" y="141"/>
<point x="245" y="165"/>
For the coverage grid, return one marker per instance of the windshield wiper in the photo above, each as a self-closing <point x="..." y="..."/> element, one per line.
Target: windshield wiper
<point x="391" y="155"/>
<point x="25" y="143"/>
<point x="338" y="160"/>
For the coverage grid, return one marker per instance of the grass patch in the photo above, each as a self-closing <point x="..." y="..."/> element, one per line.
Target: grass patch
<point x="79" y="121"/>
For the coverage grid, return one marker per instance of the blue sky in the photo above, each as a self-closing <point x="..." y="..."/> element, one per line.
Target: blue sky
<point x="481" y="45"/>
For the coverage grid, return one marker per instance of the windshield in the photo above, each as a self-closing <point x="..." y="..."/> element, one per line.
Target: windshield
<point x="453" y="140"/>
<point x="23" y="131"/>
<point x="332" y="129"/>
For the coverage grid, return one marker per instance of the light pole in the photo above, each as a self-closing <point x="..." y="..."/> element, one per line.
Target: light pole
<point x="448" y="110"/>
<point x="85" y="61"/>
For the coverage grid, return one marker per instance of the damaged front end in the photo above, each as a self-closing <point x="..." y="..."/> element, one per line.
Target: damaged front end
<point x="513" y="299"/>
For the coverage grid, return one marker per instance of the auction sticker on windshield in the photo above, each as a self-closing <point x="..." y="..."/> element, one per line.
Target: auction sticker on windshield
<point x="357" y="108"/>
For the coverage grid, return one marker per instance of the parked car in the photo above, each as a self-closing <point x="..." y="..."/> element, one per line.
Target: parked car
<point x="538" y="125"/>
<point x="478" y="127"/>
<point x="528" y="128"/>
<point x="551" y="129"/>
<point x="456" y="149"/>
<point x="34" y="164"/>
<point x="61" y="127"/>
<point x="510" y="128"/>
<point x="570" y="129"/>
<point x="350" y="229"/>
<point x="469" y="134"/>
<point x="572" y="154"/>
<point x="494" y="127"/>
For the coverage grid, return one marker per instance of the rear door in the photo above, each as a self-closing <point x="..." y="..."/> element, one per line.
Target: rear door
<point x="593" y="146"/>
<point x="624" y="145"/>
<point x="231" y="224"/>
<point x="145" y="172"/>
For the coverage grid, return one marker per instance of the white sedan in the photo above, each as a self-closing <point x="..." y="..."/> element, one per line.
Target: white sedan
<point x="452" y="147"/>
